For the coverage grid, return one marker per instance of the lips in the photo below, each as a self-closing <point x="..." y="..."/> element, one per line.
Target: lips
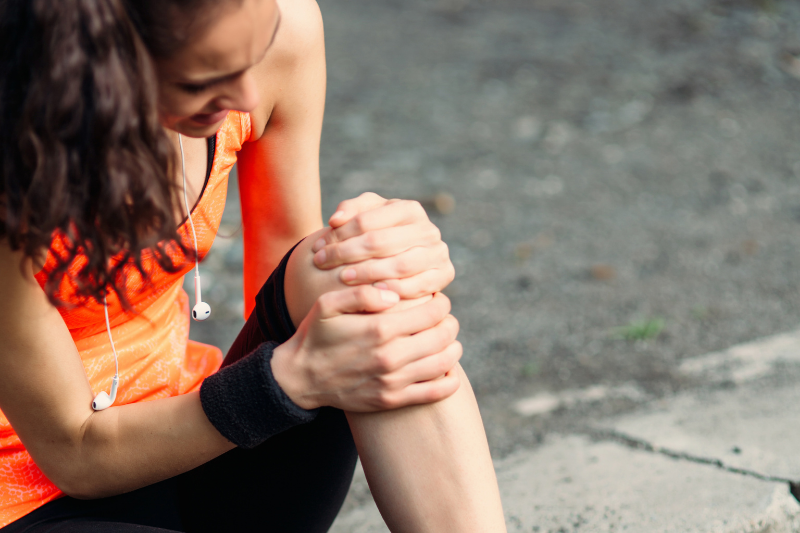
<point x="207" y="119"/>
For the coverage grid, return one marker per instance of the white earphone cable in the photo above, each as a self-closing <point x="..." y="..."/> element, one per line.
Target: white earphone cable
<point x="186" y="204"/>
<point x="111" y="339"/>
<point x="103" y="400"/>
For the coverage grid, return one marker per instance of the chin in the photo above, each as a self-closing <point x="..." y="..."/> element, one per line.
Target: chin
<point x="190" y="128"/>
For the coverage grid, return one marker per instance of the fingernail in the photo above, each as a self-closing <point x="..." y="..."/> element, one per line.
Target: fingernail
<point x="349" y="274"/>
<point x="337" y="214"/>
<point x="319" y="257"/>
<point x="318" y="245"/>
<point x="380" y="285"/>
<point x="389" y="296"/>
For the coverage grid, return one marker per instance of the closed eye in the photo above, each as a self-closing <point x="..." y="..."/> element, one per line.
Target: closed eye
<point x="195" y="89"/>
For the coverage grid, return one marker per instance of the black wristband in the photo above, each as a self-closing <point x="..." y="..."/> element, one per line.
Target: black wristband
<point x="245" y="403"/>
<point x="271" y="311"/>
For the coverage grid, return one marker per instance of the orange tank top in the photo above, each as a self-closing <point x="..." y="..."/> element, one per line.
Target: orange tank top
<point x="156" y="357"/>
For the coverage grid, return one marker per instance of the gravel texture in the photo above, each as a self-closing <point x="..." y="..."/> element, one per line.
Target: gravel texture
<point x="618" y="182"/>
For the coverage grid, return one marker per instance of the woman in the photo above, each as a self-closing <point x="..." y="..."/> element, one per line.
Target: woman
<point x="111" y="111"/>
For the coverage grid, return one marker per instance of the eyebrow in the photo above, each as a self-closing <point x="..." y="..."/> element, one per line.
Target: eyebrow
<point x="226" y="77"/>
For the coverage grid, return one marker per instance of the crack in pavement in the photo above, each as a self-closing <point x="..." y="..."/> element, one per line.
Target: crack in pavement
<point x="612" y="435"/>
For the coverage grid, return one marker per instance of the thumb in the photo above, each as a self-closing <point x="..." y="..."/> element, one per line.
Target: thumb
<point x="350" y="208"/>
<point x="361" y="299"/>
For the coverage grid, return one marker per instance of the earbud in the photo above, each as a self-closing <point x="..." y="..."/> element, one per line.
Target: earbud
<point x="103" y="400"/>
<point x="201" y="311"/>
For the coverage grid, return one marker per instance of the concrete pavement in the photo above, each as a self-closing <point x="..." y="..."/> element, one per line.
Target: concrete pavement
<point x="717" y="458"/>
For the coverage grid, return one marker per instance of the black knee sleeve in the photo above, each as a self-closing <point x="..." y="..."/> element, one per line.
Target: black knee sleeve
<point x="243" y="400"/>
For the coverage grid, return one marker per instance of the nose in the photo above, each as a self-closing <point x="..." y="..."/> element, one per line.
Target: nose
<point x="242" y="94"/>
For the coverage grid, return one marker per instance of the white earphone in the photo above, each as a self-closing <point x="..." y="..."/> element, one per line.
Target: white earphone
<point x="200" y="311"/>
<point x="104" y="400"/>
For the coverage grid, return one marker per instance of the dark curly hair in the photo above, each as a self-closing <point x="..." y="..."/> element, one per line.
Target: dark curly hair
<point x="82" y="152"/>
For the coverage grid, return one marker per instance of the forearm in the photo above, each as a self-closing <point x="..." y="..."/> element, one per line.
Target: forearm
<point x="429" y="467"/>
<point x="127" y="447"/>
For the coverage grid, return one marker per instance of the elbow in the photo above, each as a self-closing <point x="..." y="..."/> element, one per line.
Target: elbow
<point x="79" y="489"/>
<point x="74" y="468"/>
<point x="72" y="480"/>
<point x="75" y="477"/>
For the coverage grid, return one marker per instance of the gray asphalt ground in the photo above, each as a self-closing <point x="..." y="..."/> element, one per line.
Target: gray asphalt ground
<point x="619" y="183"/>
<point x="714" y="459"/>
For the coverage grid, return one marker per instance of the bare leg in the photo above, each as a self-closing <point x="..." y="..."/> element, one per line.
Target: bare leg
<point x="428" y="466"/>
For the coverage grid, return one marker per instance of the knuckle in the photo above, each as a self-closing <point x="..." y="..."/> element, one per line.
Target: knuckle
<point x="383" y="381"/>
<point x="360" y="223"/>
<point x="383" y="363"/>
<point x="326" y="302"/>
<point x="366" y="271"/>
<point x="384" y="400"/>
<point x="444" y="302"/>
<point x="336" y="253"/>
<point x="363" y="293"/>
<point x="416" y="208"/>
<point x="369" y="195"/>
<point x="402" y="266"/>
<point x="450" y="272"/>
<point x="431" y="284"/>
<point x="434" y="314"/>
<point x="455" y="325"/>
<point x="379" y="331"/>
<point x="443" y="365"/>
<point x="371" y="242"/>
<point x="458" y="350"/>
<point x="434" y="394"/>
<point x="444" y="251"/>
<point x="331" y="238"/>
<point x="434" y="233"/>
<point x="444" y="337"/>
<point x="345" y="205"/>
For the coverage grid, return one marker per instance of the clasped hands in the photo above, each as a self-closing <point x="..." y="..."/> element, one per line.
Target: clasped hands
<point x="377" y="333"/>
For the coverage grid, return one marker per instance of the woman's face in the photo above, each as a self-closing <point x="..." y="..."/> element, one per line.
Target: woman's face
<point x="212" y="74"/>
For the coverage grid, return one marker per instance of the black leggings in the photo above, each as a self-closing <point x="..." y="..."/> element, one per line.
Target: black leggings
<point x="295" y="481"/>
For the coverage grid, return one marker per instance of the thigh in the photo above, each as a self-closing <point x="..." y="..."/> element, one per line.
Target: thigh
<point x="150" y="509"/>
<point x="296" y="481"/>
<point x="85" y="525"/>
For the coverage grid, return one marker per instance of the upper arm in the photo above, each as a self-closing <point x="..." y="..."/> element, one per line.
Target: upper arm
<point x="279" y="168"/>
<point x="44" y="392"/>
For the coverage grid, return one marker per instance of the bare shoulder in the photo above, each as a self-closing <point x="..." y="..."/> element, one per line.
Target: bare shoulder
<point x="299" y="46"/>
<point x="17" y="274"/>
<point x="301" y="30"/>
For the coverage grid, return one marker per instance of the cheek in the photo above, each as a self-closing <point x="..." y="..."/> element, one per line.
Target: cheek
<point x="175" y="105"/>
<point x="171" y="108"/>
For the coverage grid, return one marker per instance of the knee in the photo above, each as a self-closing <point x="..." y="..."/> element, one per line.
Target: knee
<point x="304" y="282"/>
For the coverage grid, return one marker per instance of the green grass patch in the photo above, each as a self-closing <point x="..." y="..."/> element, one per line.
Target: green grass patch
<point x="530" y="369"/>
<point x="640" y="330"/>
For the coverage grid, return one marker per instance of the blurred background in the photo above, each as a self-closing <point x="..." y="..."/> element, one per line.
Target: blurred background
<point x="618" y="181"/>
